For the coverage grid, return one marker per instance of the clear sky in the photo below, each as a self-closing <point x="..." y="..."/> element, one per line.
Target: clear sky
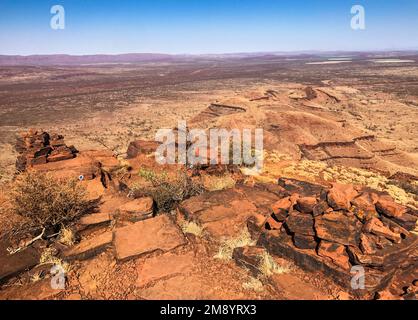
<point x="205" y="26"/>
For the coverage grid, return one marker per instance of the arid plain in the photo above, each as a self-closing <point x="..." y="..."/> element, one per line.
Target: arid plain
<point x="348" y="119"/>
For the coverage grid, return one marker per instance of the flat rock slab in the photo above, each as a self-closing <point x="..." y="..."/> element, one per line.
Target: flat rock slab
<point x="40" y="290"/>
<point x="249" y="258"/>
<point x="164" y="266"/>
<point x="95" y="219"/>
<point x="138" y="209"/>
<point x="159" y="233"/>
<point x="294" y="288"/>
<point x="224" y="214"/>
<point x="88" y="248"/>
<point x="12" y="265"/>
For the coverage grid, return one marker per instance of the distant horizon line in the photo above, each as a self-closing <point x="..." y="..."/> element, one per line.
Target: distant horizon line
<point x="214" y="54"/>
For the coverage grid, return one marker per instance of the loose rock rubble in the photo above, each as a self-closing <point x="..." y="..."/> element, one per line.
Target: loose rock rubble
<point x="35" y="148"/>
<point x="334" y="229"/>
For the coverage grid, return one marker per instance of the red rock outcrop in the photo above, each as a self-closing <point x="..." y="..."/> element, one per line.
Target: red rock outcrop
<point x="326" y="230"/>
<point x="36" y="148"/>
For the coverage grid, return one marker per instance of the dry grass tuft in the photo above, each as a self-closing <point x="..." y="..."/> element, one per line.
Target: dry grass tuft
<point x="192" y="227"/>
<point x="48" y="257"/>
<point x="66" y="237"/>
<point x="268" y="266"/>
<point x="253" y="284"/>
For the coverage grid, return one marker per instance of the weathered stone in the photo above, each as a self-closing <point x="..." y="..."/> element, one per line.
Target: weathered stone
<point x="57" y="143"/>
<point x="390" y="208"/>
<point x="337" y="227"/>
<point x="141" y="146"/>
<point x="340" y="196"/>
<point x="139" y="209"/>
<point x="225" y="213"/>
<point x="159" y="233"/>
<point x="303" y="188"/>
<point x="273" y="224"/>
<point x="163" y="266"/>
<point x="282" y="205"/>
<point x="386" y="295"/>
<point x="308" y="260"/>
<point x="90" y="247"/>
<point x="364" y="205"/>
<point x="38" y="149"/>
<point x="357" y="258"/>
<point x="249" y="258"/>
<point x="44" y="151"/>
<point x="375" y="226"/>
<point x="320" y="208"/>
<point x="95" y="219"/>
<point x="12" y="265"/>
<point x="37" y="161"/>
<point x="300" y="223"/>
<point x="336" y="252"/>
<point x="281" y="215"/>
<point x="255" y="224"/>
<point x="306" y="204"/>
<point x="407" y="221"/>
<point x="367" y="245"/>
<point x="304" y="242"/>
<point x="60" y="157"/>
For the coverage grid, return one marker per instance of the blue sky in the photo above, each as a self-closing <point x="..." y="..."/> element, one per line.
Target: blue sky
<point x="205" y="26"/>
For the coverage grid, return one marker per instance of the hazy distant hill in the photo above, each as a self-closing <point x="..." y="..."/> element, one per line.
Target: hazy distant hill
<point x="65" y="59"/>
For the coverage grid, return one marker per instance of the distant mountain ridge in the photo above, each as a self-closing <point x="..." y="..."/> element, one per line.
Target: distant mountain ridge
<point x="66" y="59"/>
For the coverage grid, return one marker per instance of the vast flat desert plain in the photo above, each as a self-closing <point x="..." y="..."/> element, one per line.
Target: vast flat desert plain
<point x="333" y="124"/>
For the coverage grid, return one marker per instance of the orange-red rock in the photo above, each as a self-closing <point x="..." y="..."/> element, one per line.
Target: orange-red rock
<point x="159" y="233"/>
<point x="336" y="252"/>
<point x="337" y="227"/>
<point x="340" y="196"/>
<point x="375" y="226"/>
<point x="390" y="208"/>
<point x="306" y="204"/>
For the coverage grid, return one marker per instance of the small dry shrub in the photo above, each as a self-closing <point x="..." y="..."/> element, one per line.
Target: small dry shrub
<point x="216" y="183"/>
<point x="167" y="191"/>
<point x="46" y="202"/>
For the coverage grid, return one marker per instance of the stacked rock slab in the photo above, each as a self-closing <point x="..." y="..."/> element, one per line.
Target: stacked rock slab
<point x="37" y="148"/>
<point x="335" y="229"/>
